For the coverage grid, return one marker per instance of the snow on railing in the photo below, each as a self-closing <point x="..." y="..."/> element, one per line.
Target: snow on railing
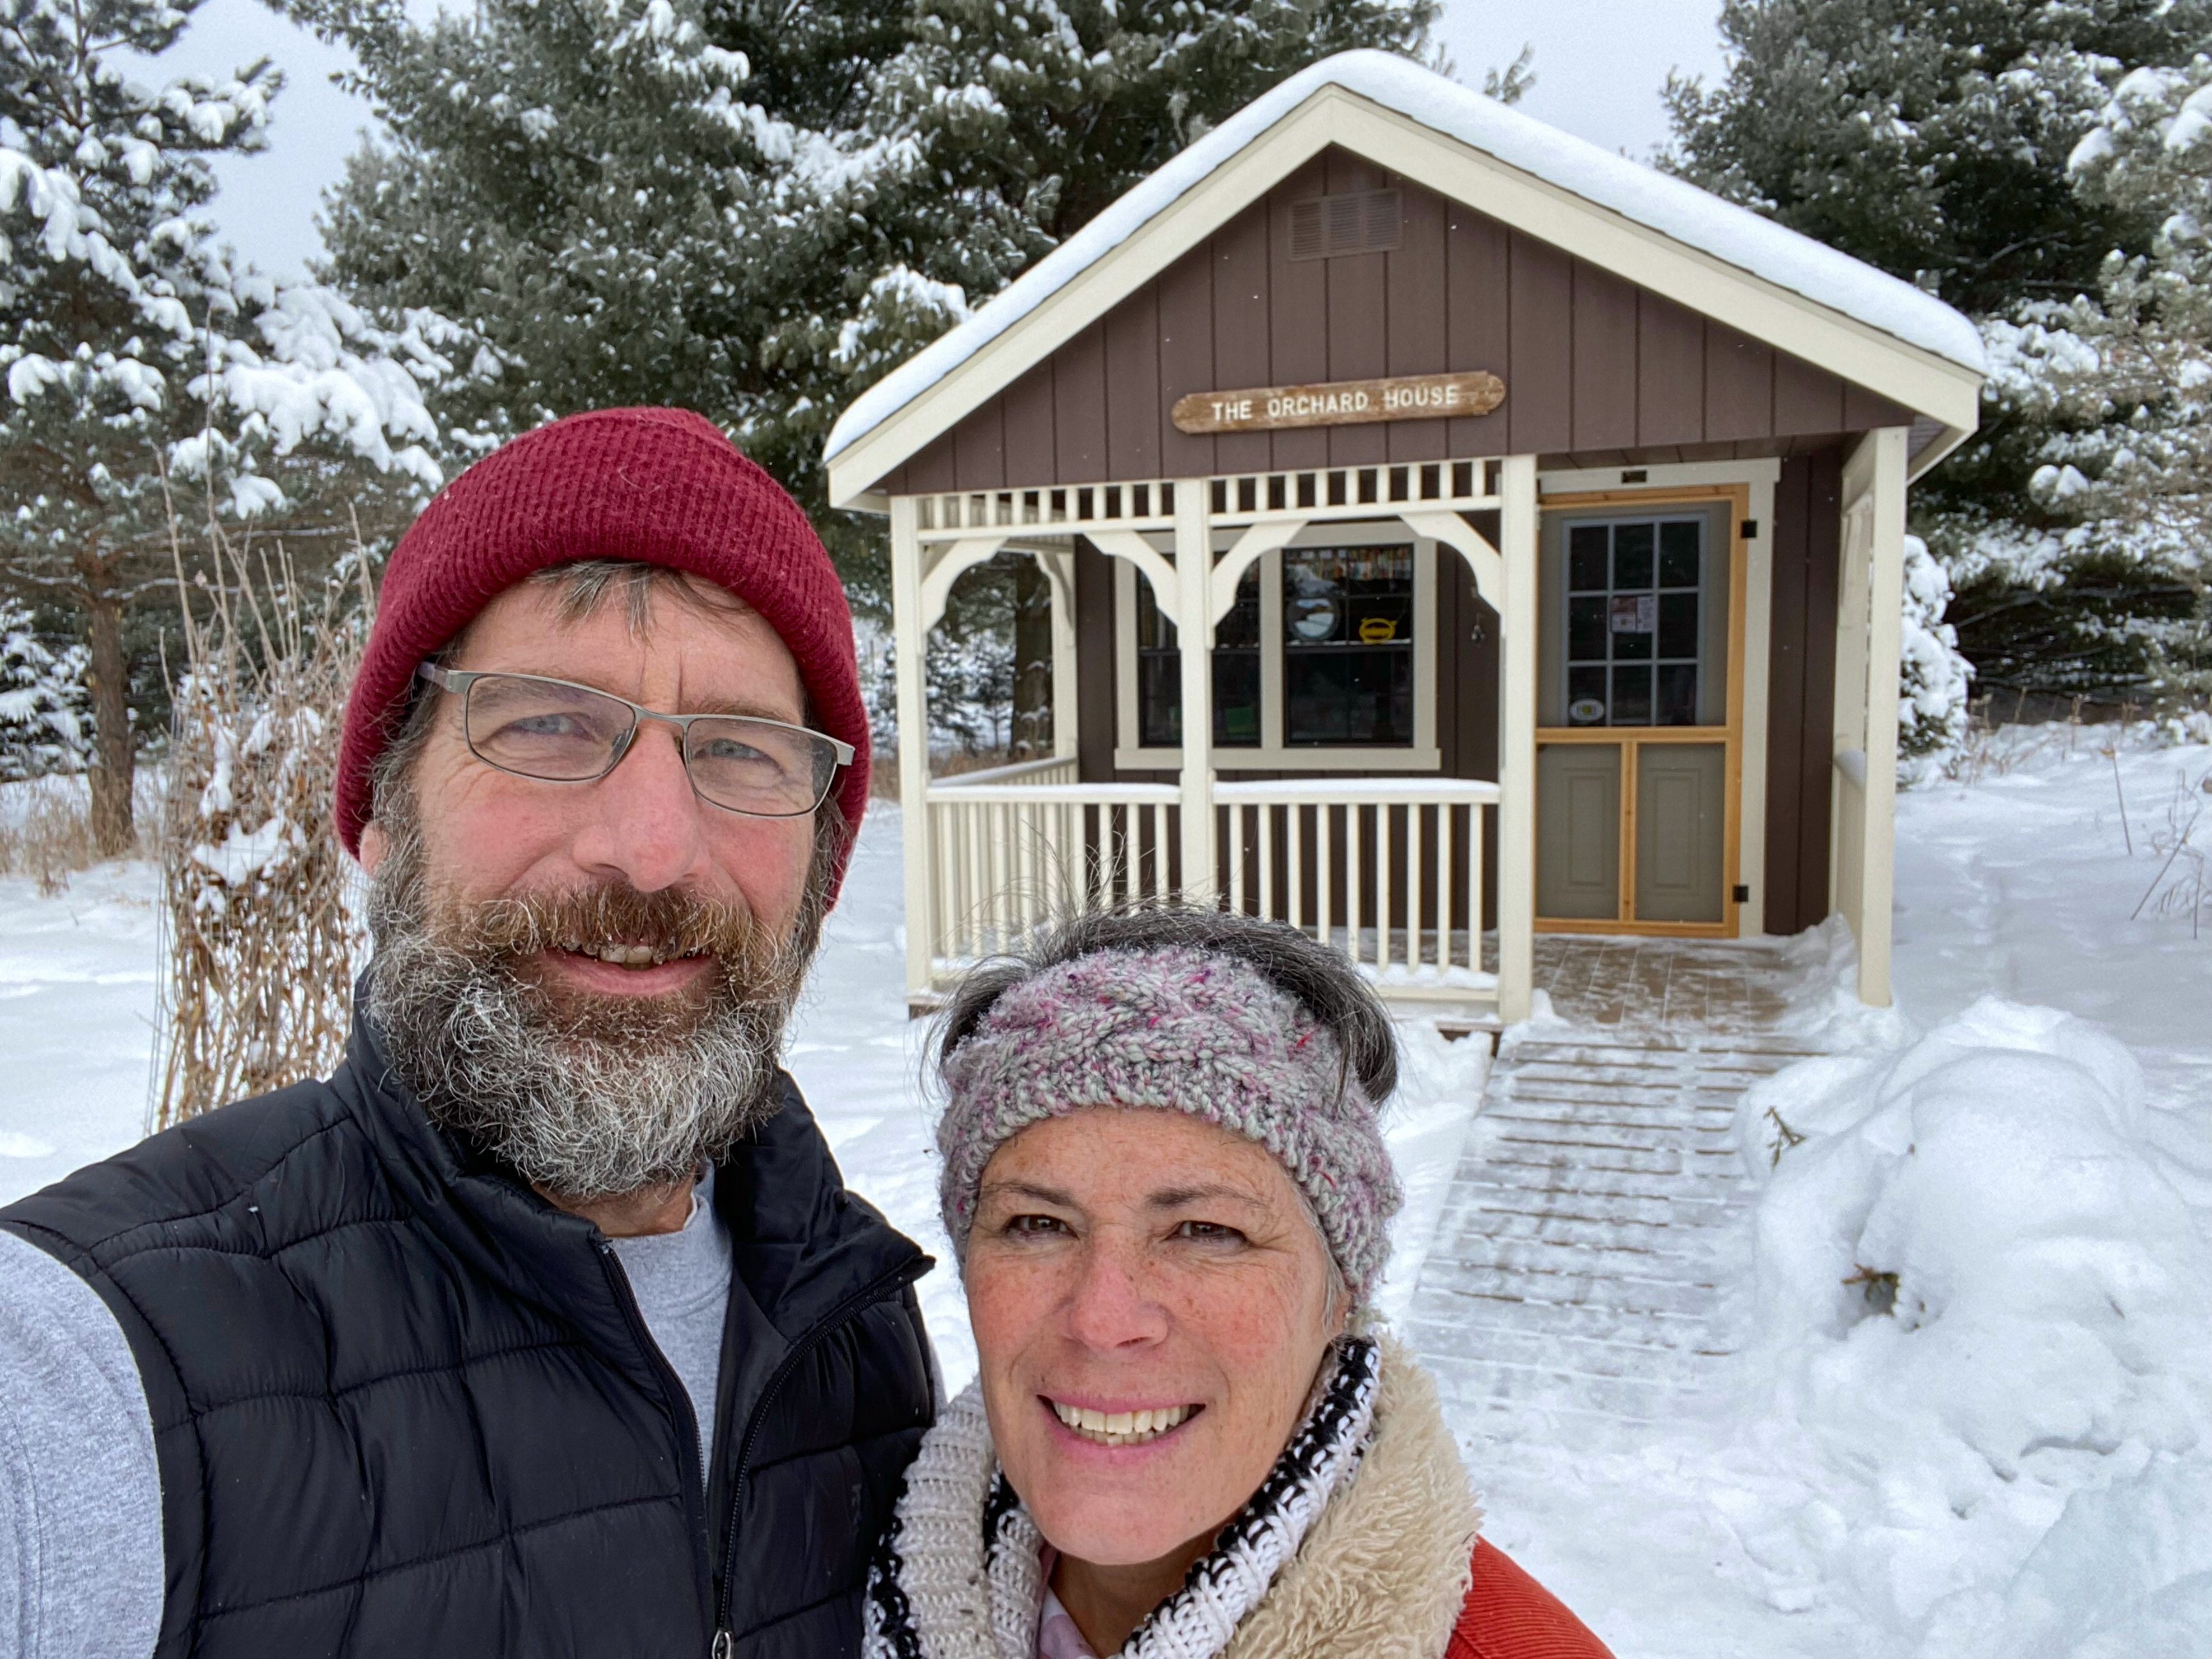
<point x="1053" y="769"/>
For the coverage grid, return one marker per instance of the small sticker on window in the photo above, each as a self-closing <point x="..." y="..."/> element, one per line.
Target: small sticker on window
<point x="1635" y="613"/>
<point x="1586" y="711"/>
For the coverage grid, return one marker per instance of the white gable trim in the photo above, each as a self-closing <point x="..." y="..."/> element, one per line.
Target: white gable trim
<point x="1099" y="267"/>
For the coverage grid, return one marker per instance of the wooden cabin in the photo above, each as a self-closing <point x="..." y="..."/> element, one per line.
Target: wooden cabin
<point x="1538" y="519"/>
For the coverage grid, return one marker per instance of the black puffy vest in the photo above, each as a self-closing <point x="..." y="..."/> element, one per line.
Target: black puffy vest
<point x="405" y="1409"/>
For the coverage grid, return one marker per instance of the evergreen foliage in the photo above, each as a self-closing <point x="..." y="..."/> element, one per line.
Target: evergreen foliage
<point x="45" y="717"/>
<point x="1950" y="143"/>
<point x="147" y="376"/>
<point x="756" y="209"/>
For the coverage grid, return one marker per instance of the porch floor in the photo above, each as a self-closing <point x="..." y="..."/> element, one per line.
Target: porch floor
<point x="1571" y="1294"/>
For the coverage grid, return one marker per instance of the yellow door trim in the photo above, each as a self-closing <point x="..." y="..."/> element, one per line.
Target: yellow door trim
<point x="1632" y="738"/>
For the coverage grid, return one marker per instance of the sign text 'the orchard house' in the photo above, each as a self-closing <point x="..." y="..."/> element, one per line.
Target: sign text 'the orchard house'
<point x="1341" y="403"/>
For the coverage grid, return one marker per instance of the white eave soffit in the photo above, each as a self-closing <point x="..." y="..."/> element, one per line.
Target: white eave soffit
<point x="1935" y="386"/>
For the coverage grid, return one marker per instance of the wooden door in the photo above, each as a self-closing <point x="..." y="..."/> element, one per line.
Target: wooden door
<point x="1639" y="711"/>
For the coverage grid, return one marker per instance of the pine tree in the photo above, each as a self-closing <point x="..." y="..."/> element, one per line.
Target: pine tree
<point x="1933" y="140"/>
<point x="755" y="208"/>
<point x="146" y="377"/>
<point x="2125" y="375"/>
<point x="45" y="720"/>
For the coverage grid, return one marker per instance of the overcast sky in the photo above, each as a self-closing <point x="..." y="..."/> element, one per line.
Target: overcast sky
<point x="1599" y="65"/>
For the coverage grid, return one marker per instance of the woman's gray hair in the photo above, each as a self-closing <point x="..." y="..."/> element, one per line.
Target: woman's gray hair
<point x="1315" y="976"/>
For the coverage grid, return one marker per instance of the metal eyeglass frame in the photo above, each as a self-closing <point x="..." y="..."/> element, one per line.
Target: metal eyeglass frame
<point x="458" y="681"/>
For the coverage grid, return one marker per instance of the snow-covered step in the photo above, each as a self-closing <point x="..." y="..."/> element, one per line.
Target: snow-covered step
<point x="1573" y="1281"/>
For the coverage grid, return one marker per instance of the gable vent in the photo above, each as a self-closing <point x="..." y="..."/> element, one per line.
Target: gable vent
<point x="1359" y="221"/>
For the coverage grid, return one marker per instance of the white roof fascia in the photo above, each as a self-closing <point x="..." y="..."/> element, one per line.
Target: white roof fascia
<point x="1193" y="194"/>
<point x="1921" y="379"/>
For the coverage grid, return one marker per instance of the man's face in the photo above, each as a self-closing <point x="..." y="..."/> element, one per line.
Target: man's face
<point x="488" y="834"/>
<point x="590" y="980"/>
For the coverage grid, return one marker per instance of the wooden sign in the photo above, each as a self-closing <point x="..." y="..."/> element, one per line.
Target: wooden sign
<point x="1341" y="403"/>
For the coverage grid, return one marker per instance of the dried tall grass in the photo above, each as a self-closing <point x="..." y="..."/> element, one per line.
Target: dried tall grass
<point x="260" y="922"/>
<point x="46" y="827"/>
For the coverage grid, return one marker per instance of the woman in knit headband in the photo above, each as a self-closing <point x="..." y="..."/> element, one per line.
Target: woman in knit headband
<point x="1167" y="1186"/>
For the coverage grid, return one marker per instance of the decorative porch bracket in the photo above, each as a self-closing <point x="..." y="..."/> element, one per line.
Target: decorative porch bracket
<point x="946" y="566"/>
<point x="1484" y="560"/>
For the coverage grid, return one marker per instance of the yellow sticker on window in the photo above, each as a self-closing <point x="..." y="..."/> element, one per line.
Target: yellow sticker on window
<point x="1377" y="631"/>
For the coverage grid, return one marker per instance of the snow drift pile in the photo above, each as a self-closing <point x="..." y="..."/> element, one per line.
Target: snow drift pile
<point x="1984" y="1338"/>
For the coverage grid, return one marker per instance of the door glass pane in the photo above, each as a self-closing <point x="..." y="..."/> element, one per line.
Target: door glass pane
<point x="1631" y="555"/>
<point x="1632" y="697"/>
<point x="1679" y="548"/>
<point x="1678" y="695"/>
<point x="1586" y="557"/>
<point x="1348" y="645"/>
<point x="1677" y="625"/>
<point x="1586" y="628"/>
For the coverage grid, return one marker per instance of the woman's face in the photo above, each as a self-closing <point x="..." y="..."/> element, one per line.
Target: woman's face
<point x="1151" y="1307"/>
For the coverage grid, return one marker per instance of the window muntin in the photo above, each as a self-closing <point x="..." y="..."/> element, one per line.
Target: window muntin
<point x="1348" y="646"/>
<point x="1635" y="597"/>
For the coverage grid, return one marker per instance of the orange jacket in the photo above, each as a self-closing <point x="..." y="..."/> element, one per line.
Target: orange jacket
<point x="1509" y="1615"/>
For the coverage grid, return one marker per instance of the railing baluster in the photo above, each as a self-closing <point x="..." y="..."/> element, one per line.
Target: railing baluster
<point x="1325" y="836"/>
<point x="1355" y="886"/>
<point x="1295" y="822"/>
<point x="1413" y="811"/>
<point x="1474" y="887"/>
<point x="1236" y="858"/>
<point x="1267" y="812"/>
<point x="1383" y="840"/>
<point x="1444" y="887"/>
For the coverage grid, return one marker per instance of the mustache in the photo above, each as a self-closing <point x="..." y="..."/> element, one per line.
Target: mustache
<point x="669" y="923"/>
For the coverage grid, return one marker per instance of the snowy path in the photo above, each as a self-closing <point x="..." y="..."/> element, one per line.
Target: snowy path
<point x="1575" y="1282"/>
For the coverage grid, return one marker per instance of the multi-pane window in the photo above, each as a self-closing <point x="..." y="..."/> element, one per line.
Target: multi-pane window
<point x="1342" y="654"/>
<point x="1236" y="672"/>
<point x="1348" y="645"/>
<point x="1634" y="593"/>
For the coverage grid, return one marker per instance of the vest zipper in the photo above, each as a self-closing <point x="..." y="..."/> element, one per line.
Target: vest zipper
<point x="694" y="1479"/>
<point x="904" y="1274"/>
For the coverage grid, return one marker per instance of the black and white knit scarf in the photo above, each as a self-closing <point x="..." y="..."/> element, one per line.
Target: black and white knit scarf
<point x="958" y="1573"/>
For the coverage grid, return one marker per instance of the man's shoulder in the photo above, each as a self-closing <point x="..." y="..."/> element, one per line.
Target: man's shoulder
<point x="187" y="1175"/>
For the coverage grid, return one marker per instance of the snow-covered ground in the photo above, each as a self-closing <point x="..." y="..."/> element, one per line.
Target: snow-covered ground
<point x="2014" y="1461"/>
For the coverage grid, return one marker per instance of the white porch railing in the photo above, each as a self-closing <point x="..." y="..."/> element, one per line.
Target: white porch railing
<point x="1388" y="870"/>
<point x="1053" y="769"/>
<point x="1006" y="856"/>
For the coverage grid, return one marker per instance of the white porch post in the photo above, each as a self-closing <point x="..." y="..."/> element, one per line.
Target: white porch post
<point x="1060" y="572"/>
<point x="1869" y="623"/>
<point x="1193" y="556"/>
<point x="910" y="636"/>
<point x="1517" y="741"/>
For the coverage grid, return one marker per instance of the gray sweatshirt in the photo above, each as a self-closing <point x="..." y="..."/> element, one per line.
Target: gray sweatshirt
<point x="80" y="1570"/>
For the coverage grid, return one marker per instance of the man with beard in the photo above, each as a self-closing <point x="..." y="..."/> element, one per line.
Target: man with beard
<point x="545" y="1326"/>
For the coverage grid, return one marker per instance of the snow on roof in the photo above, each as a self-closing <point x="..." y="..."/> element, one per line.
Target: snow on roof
<point x="1671" y="206"/>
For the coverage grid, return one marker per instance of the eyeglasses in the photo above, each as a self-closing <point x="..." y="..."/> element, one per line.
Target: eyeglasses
<point x="562" y="733"/>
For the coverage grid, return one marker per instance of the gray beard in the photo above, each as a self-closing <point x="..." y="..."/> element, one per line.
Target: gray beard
<point x="583" y="1103"/>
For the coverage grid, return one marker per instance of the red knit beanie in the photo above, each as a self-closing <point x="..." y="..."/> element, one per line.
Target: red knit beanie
<point x="657" y="486"/>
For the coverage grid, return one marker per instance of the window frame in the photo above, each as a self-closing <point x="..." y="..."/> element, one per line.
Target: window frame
<point x="1272" y="754"/>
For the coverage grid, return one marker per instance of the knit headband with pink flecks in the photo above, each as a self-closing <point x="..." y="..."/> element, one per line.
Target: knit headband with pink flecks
<point x="1174" y="1030"/>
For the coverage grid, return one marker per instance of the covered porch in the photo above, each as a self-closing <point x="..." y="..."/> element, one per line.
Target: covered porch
<point x="1391" y="867"/>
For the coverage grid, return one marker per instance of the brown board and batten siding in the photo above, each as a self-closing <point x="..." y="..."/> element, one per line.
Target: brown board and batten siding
<point x="1807" y="552"/>
<point x="1592" y="364"/>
